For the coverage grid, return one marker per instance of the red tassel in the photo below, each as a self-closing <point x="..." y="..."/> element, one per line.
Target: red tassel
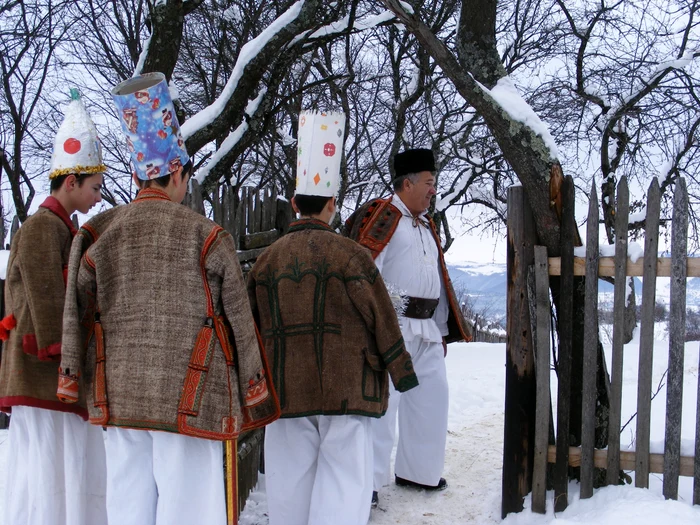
<point x="9" y="322"/>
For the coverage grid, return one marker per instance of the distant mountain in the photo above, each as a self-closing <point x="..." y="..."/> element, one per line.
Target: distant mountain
<point x="485" y="284"/>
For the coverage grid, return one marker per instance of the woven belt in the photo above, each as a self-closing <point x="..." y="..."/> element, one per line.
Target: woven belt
<point x="419" y="308"/>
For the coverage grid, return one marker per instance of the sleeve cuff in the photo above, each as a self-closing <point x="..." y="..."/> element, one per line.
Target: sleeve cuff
<point x="257" y="391"/>
<point x="68" y="387"/>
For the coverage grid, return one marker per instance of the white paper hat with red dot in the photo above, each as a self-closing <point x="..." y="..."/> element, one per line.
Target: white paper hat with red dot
<point x="76" y="148"/>
<point x="319" y="153"/>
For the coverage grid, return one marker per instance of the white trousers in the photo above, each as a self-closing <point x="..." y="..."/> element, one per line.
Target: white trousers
<point x="55" y="469"/>
<point x="318" y="470"/>
<point x="422" y="414"/>
<point x="161" y="478"/>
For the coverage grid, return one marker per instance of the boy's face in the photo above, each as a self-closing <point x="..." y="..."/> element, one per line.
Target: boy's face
<point x="86" y="196"/>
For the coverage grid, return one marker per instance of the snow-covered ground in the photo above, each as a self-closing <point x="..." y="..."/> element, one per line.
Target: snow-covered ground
<point x="474" y="455"/>
<point x="475" y="447"/>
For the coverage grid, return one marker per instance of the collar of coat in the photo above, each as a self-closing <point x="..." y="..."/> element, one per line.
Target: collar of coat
<point x="52" y="204"/>
<point x="308" y="224"/>
<point x="149" y="194"/>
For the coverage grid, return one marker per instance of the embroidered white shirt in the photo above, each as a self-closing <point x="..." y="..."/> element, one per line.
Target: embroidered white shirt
<point x="410" y="262"/>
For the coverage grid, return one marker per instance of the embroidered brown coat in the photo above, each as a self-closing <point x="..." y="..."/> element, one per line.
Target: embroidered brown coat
<point x="329" y="327"/>
<point x="34" y="295"/>
<point x="141" y="280"/>
<point x="373" y="224"/>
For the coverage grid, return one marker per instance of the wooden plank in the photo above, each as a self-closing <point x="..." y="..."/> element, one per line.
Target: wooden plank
<point x="241" y="212"/>
<point x="216" y="205"/>
<point x="266" y="211"/>
<point x="249" y="255"/>
<point x="590" y="347"/>
<point x="273" y="208"/>
<point x="646" y="335"/>
<point x="226" y="210"/>
<point x="258" y="212"/>
<point x="696" y="473"/>
<point x="259" y="240"/>
<point x="520" y="394"/>
<point x="606" y="267"/>
<point x="619" y="301"/>
<point x="565" y="327"/>
<point x="627" y="460"/>
<point x="676" y="341"/>
<point x="250" y="213"/>
<point x="249" y="452"/>
<point x="539" y="473"/>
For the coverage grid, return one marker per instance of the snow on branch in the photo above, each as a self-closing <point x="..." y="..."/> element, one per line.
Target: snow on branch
<point x="647" y="84"/>
<point x="231" y="140"/>
<point x="247" y="54"/>
<point x="505" y="94"/>
<point x="342" y="25"/>
<point x="445" y="200"/>
<point x="143" y="55"/>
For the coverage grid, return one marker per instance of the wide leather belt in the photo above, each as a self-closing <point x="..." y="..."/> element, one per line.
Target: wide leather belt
<point x="419" y="308"/>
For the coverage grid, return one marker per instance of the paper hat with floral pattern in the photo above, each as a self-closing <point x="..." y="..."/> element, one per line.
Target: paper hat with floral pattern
<point x="76" y="148"/>
<point x="150" y="124"/>
<point x="320" y="150"/>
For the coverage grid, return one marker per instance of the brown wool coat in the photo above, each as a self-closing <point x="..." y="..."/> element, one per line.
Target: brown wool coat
<point x="34" y="294"/>
<point x="141" y="267"/>
<point x="329" y="327"/>
<point x="373" y="224"/>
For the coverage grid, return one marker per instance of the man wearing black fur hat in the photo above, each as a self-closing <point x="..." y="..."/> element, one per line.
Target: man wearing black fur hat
<point x="407" y="250"/>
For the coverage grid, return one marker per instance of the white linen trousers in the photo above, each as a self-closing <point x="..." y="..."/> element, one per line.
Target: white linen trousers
<point x="55" y="469"/>
<point x="422" y="414"/>
<point x="318" y="470"/>
<point x="162" y="478"/>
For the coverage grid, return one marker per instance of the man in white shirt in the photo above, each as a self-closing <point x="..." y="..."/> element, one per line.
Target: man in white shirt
<point x="407" y="252"/>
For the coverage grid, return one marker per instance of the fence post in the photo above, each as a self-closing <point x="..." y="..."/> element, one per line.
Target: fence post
<point x="542" y="369"/>
<point x="590" y="347"/>
<point x="520" y="395"/>
<point x="676" y="340"/>
<point x="646" y="335"/>
<point x="619" y="301"/>
<point x="565" y="329"/>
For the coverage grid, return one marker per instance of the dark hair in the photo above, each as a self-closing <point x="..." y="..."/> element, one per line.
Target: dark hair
<point x="311" y="204"/>
<point x="165" y="179"/>
<point x="80" y="178"/>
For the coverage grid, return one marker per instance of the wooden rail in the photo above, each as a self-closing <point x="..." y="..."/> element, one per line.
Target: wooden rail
<point x="606" y="267"/>
<point x="627" y="460"/>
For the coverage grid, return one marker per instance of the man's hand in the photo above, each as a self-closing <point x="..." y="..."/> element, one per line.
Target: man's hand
<point x="444" y="346"/>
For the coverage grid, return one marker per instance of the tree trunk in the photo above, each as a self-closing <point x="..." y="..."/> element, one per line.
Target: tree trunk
<point x="478" y="64"/>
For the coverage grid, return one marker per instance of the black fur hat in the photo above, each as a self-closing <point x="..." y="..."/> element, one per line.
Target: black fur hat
<point x="413" y="161"/>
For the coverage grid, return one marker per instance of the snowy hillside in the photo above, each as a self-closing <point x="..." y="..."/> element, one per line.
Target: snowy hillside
<point x="486" y="286"/>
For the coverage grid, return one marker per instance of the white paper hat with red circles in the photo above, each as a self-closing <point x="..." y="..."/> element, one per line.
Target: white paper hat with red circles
<point x="319" y="153"/>
<point x="76" y="148"/>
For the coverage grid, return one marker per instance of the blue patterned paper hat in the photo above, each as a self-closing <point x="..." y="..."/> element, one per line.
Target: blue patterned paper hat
<point x="150" y="124"/>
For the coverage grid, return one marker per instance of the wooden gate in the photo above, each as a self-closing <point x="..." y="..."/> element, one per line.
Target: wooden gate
<point x="527" y="448"/>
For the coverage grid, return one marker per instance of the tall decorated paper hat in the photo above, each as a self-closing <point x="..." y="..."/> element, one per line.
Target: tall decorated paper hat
<point x="150" y="124"/>
<point x="76" y="148"/>
<point x="320" y="150"/>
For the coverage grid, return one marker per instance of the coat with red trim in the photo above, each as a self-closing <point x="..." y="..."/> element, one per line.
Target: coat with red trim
<point x="141" y="280"/>
<point x="34" y="297"/>
<point x="331" y="333"/>
<point x="373" y="224"/>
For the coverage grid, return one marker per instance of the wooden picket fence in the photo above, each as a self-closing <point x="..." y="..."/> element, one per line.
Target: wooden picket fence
<point x="527" y="448"/>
